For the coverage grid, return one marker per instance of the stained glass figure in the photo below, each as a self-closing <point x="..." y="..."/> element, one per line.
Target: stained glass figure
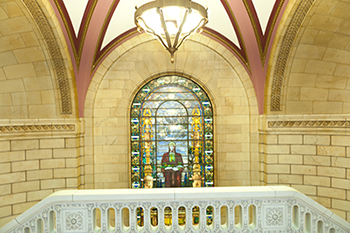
<point x="171" y="121"/>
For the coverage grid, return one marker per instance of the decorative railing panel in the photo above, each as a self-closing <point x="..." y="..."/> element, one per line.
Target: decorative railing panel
<point x="226" y="209"/>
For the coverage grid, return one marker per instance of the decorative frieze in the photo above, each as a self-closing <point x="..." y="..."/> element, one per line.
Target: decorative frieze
<point x="55" y="53"/>
<point x="307" y="124"/>
<point x="286" y="47"/>
<point x="36" y="128"/>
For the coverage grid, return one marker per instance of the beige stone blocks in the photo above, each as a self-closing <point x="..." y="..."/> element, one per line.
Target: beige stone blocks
<point x="290" y="139"/>
<point x="38" y="195"/>
<point x="5" y="211"/>
<point x="39" y="174"/>
<point x="317" y="180"/>
<point x="317" y="160"/>
<point x="317" y="164"/>
<point x="331" y="192"/>
<point x="24" y="144"/>
<point x="13" y="198"/>
<point x="331" y="151"/>
<point x="303" y="169"/>
<point x="317" y="139"/>
<point x="25" y="186"/>
<point x="303" y="149"/>
<point x="20" y="208"/>
<point x="9" y="86"/>
<point x="20" y="71"/>
<point x="65" y="173"/>
<point x="52" y="143"/>
<point x="53" y="183"/>
<point x="38" y="154"/>
<point x="12" y="177"/>
<point x="25" y="165"/>
<point x="290" y="159"/>
<point x="340" y="140"/>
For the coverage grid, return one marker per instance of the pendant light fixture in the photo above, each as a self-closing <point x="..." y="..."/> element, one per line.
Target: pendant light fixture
<point x="171" y="21"/>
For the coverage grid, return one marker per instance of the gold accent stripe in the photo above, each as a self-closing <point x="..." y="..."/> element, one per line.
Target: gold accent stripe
<point x="103" y="29"/>
<point x="239" y="33"/>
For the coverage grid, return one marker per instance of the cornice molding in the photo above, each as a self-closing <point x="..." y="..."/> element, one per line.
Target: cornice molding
<point x="309" y="124"/>
<point x="286" y="47"/>
<point x="36" y="128"/>
<point x="55" y="53"/>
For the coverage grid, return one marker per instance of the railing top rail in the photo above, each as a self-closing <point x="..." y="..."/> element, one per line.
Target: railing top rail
<point x="169" y="195"/>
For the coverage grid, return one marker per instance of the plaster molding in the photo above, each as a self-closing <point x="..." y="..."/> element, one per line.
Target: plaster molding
<point x="309" y="124"/>
<point x="286" y="48"/>
<point x="36" y="128"/>
<point x="55" y="53"/>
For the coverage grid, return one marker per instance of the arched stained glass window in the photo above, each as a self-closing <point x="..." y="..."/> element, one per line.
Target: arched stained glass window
<point x="171" y="135"/>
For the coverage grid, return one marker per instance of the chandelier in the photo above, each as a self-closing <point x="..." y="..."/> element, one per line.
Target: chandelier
<point x="171" y="21"/>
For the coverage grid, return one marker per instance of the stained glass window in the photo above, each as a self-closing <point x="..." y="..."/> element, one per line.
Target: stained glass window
<point x="171" y="135"/>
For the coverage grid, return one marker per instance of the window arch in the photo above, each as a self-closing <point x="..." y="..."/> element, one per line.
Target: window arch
<point x="171" y="135"/>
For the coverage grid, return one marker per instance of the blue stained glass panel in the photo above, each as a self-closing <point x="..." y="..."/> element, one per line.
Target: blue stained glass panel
<point x="172" y="132"/>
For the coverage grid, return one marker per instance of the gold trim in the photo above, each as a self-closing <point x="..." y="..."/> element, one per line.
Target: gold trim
<point x="100" y="36"/>
<point x="308" y="124"/>
<point x="239" y="33"/>
<point x="286" y="47"/>
<point x="36" y="128"/>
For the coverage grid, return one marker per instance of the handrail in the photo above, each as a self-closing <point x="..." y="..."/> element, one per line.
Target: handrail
<point x="218" y="209"/>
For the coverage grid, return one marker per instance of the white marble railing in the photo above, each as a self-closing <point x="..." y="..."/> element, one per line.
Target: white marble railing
<point x="225" y="209"/>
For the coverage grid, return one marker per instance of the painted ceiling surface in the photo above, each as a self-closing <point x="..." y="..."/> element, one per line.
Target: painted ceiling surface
<point x="93" y="28"/>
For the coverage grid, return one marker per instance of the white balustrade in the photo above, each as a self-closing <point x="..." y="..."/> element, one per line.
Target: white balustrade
<point x="220" y="209"/>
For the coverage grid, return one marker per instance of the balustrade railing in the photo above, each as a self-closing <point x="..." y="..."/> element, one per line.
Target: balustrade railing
<point x="220" y="209"/>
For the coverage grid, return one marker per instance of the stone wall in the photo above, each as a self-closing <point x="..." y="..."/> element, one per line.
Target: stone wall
<point x="311" y="155"/>
<point x="36" y="160"/>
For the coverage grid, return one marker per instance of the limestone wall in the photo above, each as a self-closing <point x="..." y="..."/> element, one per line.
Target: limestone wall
<point x="310" y="155"/>
<point x="36" y="160"/>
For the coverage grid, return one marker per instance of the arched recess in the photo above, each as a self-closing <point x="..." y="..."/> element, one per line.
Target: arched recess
<point x="134" y="63"/>
<point x="36" y="68"/>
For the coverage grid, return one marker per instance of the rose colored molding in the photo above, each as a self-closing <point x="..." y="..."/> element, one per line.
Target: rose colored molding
<point x="76" y="42"/>
<point x="263" y="39"/>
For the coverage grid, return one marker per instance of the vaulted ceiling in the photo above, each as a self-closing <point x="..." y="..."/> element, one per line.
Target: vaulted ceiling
<point x="94" y="28"/>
